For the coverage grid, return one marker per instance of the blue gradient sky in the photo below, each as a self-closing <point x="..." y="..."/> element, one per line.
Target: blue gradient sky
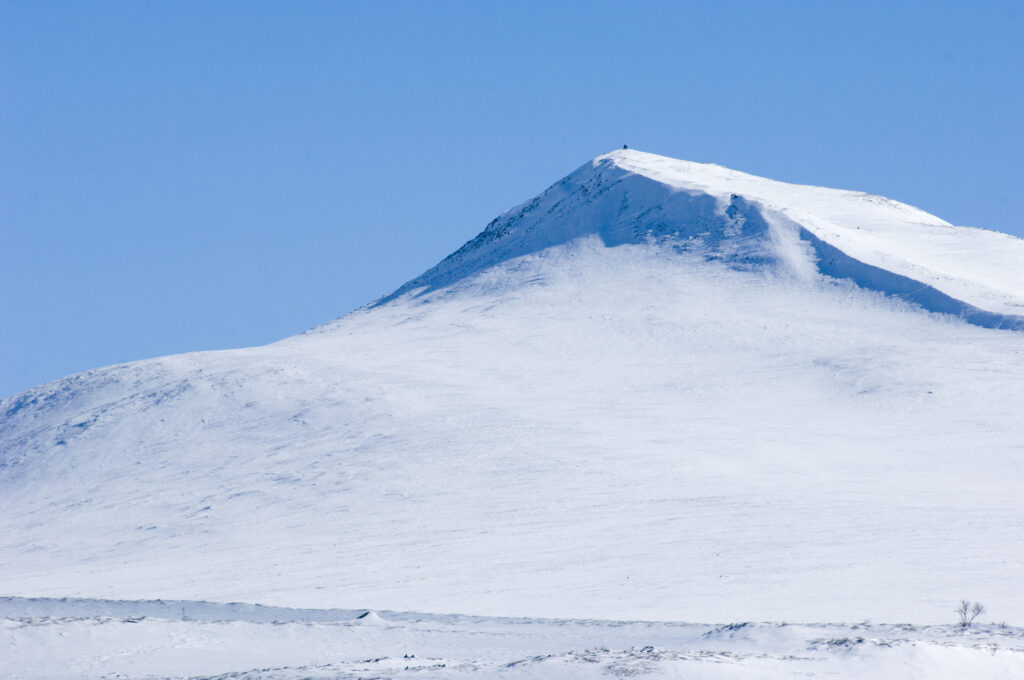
<point x="184" y="176"/>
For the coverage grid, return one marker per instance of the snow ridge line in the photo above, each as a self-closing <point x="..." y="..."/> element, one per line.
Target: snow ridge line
<point x="745" y="221"/>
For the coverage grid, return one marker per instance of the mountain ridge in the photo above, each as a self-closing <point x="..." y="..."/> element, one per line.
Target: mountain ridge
<point x="629" y="196"/>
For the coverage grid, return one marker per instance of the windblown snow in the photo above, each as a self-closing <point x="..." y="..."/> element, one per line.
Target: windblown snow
<point x="660" y="391"/>
<point x="635" y="197"/>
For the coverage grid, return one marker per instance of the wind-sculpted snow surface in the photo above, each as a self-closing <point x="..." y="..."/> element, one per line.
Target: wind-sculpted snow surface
<point x="47" y="640"/>
<point x="581" y="415"/>
<point x="634" y="197"/>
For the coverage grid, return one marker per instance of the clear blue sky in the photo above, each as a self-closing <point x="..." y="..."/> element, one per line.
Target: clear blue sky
<point x="177" y="176"/>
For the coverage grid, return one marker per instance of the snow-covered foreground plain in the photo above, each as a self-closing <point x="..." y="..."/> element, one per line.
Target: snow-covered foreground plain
<point x="54" y="639"/>
<point x="659" y="391"/>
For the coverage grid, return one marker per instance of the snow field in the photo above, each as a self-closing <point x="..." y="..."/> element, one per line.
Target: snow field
<point x="121" y="641"/>
<point x="583" y="434"/>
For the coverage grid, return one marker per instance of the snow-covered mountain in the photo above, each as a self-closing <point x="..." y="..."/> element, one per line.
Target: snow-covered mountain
<point x="631" y="197"/>
<point x="658" y="390"/>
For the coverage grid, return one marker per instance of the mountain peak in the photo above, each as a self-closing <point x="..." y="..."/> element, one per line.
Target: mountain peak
<point x="633" y="159"/>
<point x="631" y="197"/>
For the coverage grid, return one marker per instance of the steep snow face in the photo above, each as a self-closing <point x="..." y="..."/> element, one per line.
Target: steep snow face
<point x="694" y="424"/>
<point x="634" y="197"/>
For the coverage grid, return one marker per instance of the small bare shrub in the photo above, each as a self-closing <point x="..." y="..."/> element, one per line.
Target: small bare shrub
<point x="967" y="612"/>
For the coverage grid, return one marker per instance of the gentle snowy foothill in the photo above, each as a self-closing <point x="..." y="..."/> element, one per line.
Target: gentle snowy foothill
<point x="659" y="391"/>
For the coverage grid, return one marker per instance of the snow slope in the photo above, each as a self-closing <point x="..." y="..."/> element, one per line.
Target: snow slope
<point x="630" y="196"/>
<point x="642" y="395"/>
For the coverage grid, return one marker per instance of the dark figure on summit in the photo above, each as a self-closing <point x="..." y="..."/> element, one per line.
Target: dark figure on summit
<point x="624" y="146"/>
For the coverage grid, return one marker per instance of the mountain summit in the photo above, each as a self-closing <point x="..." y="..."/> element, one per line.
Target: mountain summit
<point x="658" y="390"/>
<point x="632" y="197"/>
